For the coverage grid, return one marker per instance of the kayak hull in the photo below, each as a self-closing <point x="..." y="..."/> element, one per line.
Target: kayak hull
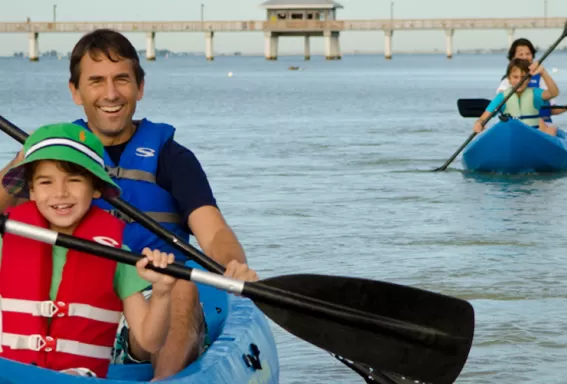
<point x="513" y="147"/>
<point x="236" y="326"/>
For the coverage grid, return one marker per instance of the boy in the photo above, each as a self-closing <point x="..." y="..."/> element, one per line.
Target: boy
<point x="60" y="308"/>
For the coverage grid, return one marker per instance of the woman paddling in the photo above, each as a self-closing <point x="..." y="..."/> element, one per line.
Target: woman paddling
<point x="524" y="49"/>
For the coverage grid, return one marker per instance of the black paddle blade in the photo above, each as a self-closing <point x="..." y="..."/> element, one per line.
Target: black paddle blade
<point x="472" y="107"/>
<point x="376" y="347"/>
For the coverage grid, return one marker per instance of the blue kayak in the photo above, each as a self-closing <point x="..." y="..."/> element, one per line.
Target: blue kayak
<point x="513" y="147"/>
<point x="243" y="350"/>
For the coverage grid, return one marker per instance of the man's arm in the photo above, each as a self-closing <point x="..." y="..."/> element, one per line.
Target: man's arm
<point x="181" y="174"/>
<point x="214" y="235"/>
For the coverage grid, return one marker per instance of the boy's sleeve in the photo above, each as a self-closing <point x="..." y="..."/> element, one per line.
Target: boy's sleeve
<point x="495" y="102"/>
<point x="126" y="279"/>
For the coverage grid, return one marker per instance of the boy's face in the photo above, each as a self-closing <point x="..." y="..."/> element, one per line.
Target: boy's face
<point x="515" y="77"/>
<point x="62" y="198"/>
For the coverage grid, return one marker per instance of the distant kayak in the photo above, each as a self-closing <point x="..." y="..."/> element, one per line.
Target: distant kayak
<point x="513" y="147"/>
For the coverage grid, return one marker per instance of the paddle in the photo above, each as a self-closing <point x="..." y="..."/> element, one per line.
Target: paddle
<point x="472" y="107"/>
<point x="476" y="107"/>
<point x="418" y="316"/>
<point x="493" y="113"/>
<point x="420" y="334"/>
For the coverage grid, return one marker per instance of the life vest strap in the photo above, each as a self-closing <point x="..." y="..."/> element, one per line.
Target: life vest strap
<point x="160" y="217"/>
<point x="50" y="344"/>
<point x="59" y="309"/>
<point x="132" y="174"/>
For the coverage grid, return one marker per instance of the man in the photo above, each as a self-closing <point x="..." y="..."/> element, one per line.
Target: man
<point x="158" y="176"/>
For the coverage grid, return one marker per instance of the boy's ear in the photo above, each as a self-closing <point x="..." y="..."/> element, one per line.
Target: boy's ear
<point x="32" y="193"/>
<point x="96" y="194"/>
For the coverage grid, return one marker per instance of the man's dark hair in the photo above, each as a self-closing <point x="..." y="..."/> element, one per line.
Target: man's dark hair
<point x="110" y="43"/>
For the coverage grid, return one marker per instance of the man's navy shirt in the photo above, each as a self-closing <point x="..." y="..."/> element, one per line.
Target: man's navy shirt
<point x="179" y="173"/>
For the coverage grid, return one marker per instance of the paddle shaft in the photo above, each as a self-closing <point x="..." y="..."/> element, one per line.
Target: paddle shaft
<point x="495" y="111"/>
<point x="254" y="291"/>
<point x="554" y="107"/>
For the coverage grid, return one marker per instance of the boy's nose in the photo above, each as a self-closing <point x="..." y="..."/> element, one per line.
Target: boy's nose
<point x="62" y="189"/>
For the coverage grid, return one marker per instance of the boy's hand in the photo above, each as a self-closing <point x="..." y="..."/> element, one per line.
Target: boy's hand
<point x="161" y="284"/>
<point x="478" y="127"/>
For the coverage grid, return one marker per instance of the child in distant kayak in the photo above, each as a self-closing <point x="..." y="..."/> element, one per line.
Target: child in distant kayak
<point x="526" y="103"/>
<point x="524" y="49"/>
<point x="59" y="308"/>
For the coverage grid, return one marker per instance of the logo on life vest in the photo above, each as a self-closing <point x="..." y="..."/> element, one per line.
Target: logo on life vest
<point x="145" y="152"/>
<point x="106" y="241"/>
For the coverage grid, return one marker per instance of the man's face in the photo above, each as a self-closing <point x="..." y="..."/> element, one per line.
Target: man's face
<point x="108" y="93"/>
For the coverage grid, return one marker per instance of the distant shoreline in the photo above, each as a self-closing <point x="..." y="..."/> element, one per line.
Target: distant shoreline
<point x="166" y="53"/>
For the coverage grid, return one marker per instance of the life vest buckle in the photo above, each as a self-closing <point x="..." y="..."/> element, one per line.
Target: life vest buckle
<point x="62" y="309"/>
<point x="51" y="308"/>
<point x="38" y="343"/>
<point x="115" y="172"/>
<point x="50" y="344"/>
<point x="119" y="215"/>
<point x="47" y="308"/>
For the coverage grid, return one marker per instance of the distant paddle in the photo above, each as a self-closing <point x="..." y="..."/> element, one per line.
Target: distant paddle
<point x="476" y="107"/>
<point x="416" y="333"/>
<point x="493" y="113"/>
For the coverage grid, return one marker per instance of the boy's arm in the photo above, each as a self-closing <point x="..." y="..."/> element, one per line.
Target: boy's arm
<point x="148" y="321"/>
<point x="552" y="90"/>
<point x="478" y="124"/>
<point x="491" y="107"/>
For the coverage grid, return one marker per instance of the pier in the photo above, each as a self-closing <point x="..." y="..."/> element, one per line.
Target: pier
<point x="294" y="22"/>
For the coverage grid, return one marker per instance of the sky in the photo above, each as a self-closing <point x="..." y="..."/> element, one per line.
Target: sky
<point x="253" y="42"/>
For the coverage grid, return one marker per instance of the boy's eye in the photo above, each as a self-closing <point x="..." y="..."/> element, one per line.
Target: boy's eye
<point x="75" y="179"/>
<point x="44" y="182"/>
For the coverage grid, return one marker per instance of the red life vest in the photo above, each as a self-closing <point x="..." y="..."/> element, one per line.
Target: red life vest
<point x="78" y="328"/>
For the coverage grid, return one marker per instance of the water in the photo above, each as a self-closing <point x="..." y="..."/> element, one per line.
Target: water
<point x="326" y="170"/>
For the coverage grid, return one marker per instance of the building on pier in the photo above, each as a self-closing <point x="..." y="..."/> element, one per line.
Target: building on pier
<point x="302" y="18"/>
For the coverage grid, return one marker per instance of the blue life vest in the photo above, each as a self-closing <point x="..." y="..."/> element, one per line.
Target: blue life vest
<point x="135" y="174"/>
<point x="545" y="114"/>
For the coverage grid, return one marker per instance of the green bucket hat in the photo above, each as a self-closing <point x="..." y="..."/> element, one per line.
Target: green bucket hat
<point x="64" y="142"/>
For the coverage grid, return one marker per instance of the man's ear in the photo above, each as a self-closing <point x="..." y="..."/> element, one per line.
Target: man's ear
<point x="75" y="94"/>
<point x="141" y="91"/>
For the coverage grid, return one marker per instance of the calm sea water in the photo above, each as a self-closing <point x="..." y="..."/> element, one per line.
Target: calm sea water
<point x="326" y="170"/>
